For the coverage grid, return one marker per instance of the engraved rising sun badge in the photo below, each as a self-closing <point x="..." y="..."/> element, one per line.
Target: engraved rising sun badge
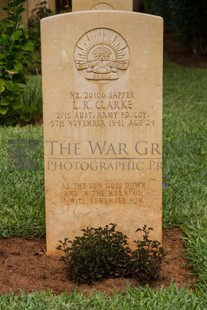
<point x="102" y="54"/>
<point x="102" y="6"/>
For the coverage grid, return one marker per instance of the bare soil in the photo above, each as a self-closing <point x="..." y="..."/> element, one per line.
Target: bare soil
<point x="25" y="265"/>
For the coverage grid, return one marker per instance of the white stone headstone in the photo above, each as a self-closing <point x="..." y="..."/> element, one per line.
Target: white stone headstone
<point x="82" y="5"/>
<point x="102" y="90"/>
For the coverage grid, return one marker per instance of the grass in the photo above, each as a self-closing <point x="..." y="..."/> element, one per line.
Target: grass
<point x="184" y="198"/>
<point x="22" y="189"/>
<point x="139" y="299"/>
<point x="184" y="144"/>
<point x="185" y="161"/>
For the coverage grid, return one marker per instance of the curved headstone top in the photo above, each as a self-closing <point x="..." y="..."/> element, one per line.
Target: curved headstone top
<point x="82" y="5"/>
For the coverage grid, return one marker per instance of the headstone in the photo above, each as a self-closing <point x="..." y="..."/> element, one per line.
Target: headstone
<point x="102" y="90"/>
<point x="82" y="5"/>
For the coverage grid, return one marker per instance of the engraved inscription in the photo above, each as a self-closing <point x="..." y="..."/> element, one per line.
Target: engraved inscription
<point x="104" y="193"/>
<point x="102" y="55"/>
<point x="103" y="109"/>
<point x="102" y="6"/>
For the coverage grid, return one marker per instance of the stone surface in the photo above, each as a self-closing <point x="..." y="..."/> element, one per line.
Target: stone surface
<point x="102" y="90"/>
<point x="81" y="5"/>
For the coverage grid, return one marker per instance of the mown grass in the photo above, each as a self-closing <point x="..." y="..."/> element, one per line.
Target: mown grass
<point x="21" y="182"/>
<point x="184" y="144"/>
<point x="184" y="199"/>
<point x="185" y="161"/>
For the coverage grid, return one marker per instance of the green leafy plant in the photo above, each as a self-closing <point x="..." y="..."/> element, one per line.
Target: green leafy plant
<point x="147" y="258"/>
<point x="100" y="253"/>
<point x="104" y="253"/>
<point x="31" y="111"/>
<point x="15" y="57"/>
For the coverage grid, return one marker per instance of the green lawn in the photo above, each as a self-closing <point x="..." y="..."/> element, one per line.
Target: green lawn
<point x="22" y="189"/>
<point x="184" y="197"/>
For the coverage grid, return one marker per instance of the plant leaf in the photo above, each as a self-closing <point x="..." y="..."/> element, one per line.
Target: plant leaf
<point x="2" y="87"/>
<point x="3" y="110"/>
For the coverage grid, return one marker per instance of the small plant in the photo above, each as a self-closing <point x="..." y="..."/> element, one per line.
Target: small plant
<point x="104" y="253"/>
<point x="147" y="258"/>
<point x="100" y="253"/>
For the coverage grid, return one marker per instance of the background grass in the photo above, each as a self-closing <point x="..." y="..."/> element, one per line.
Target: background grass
<point x="185" y="160"/>
<point x="184" y="197"/>
<point x="184" y="144"/>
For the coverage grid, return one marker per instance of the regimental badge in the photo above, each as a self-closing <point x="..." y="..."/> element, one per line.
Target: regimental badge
<point x="102" y="55"/>
<point x="102" y="6"/>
